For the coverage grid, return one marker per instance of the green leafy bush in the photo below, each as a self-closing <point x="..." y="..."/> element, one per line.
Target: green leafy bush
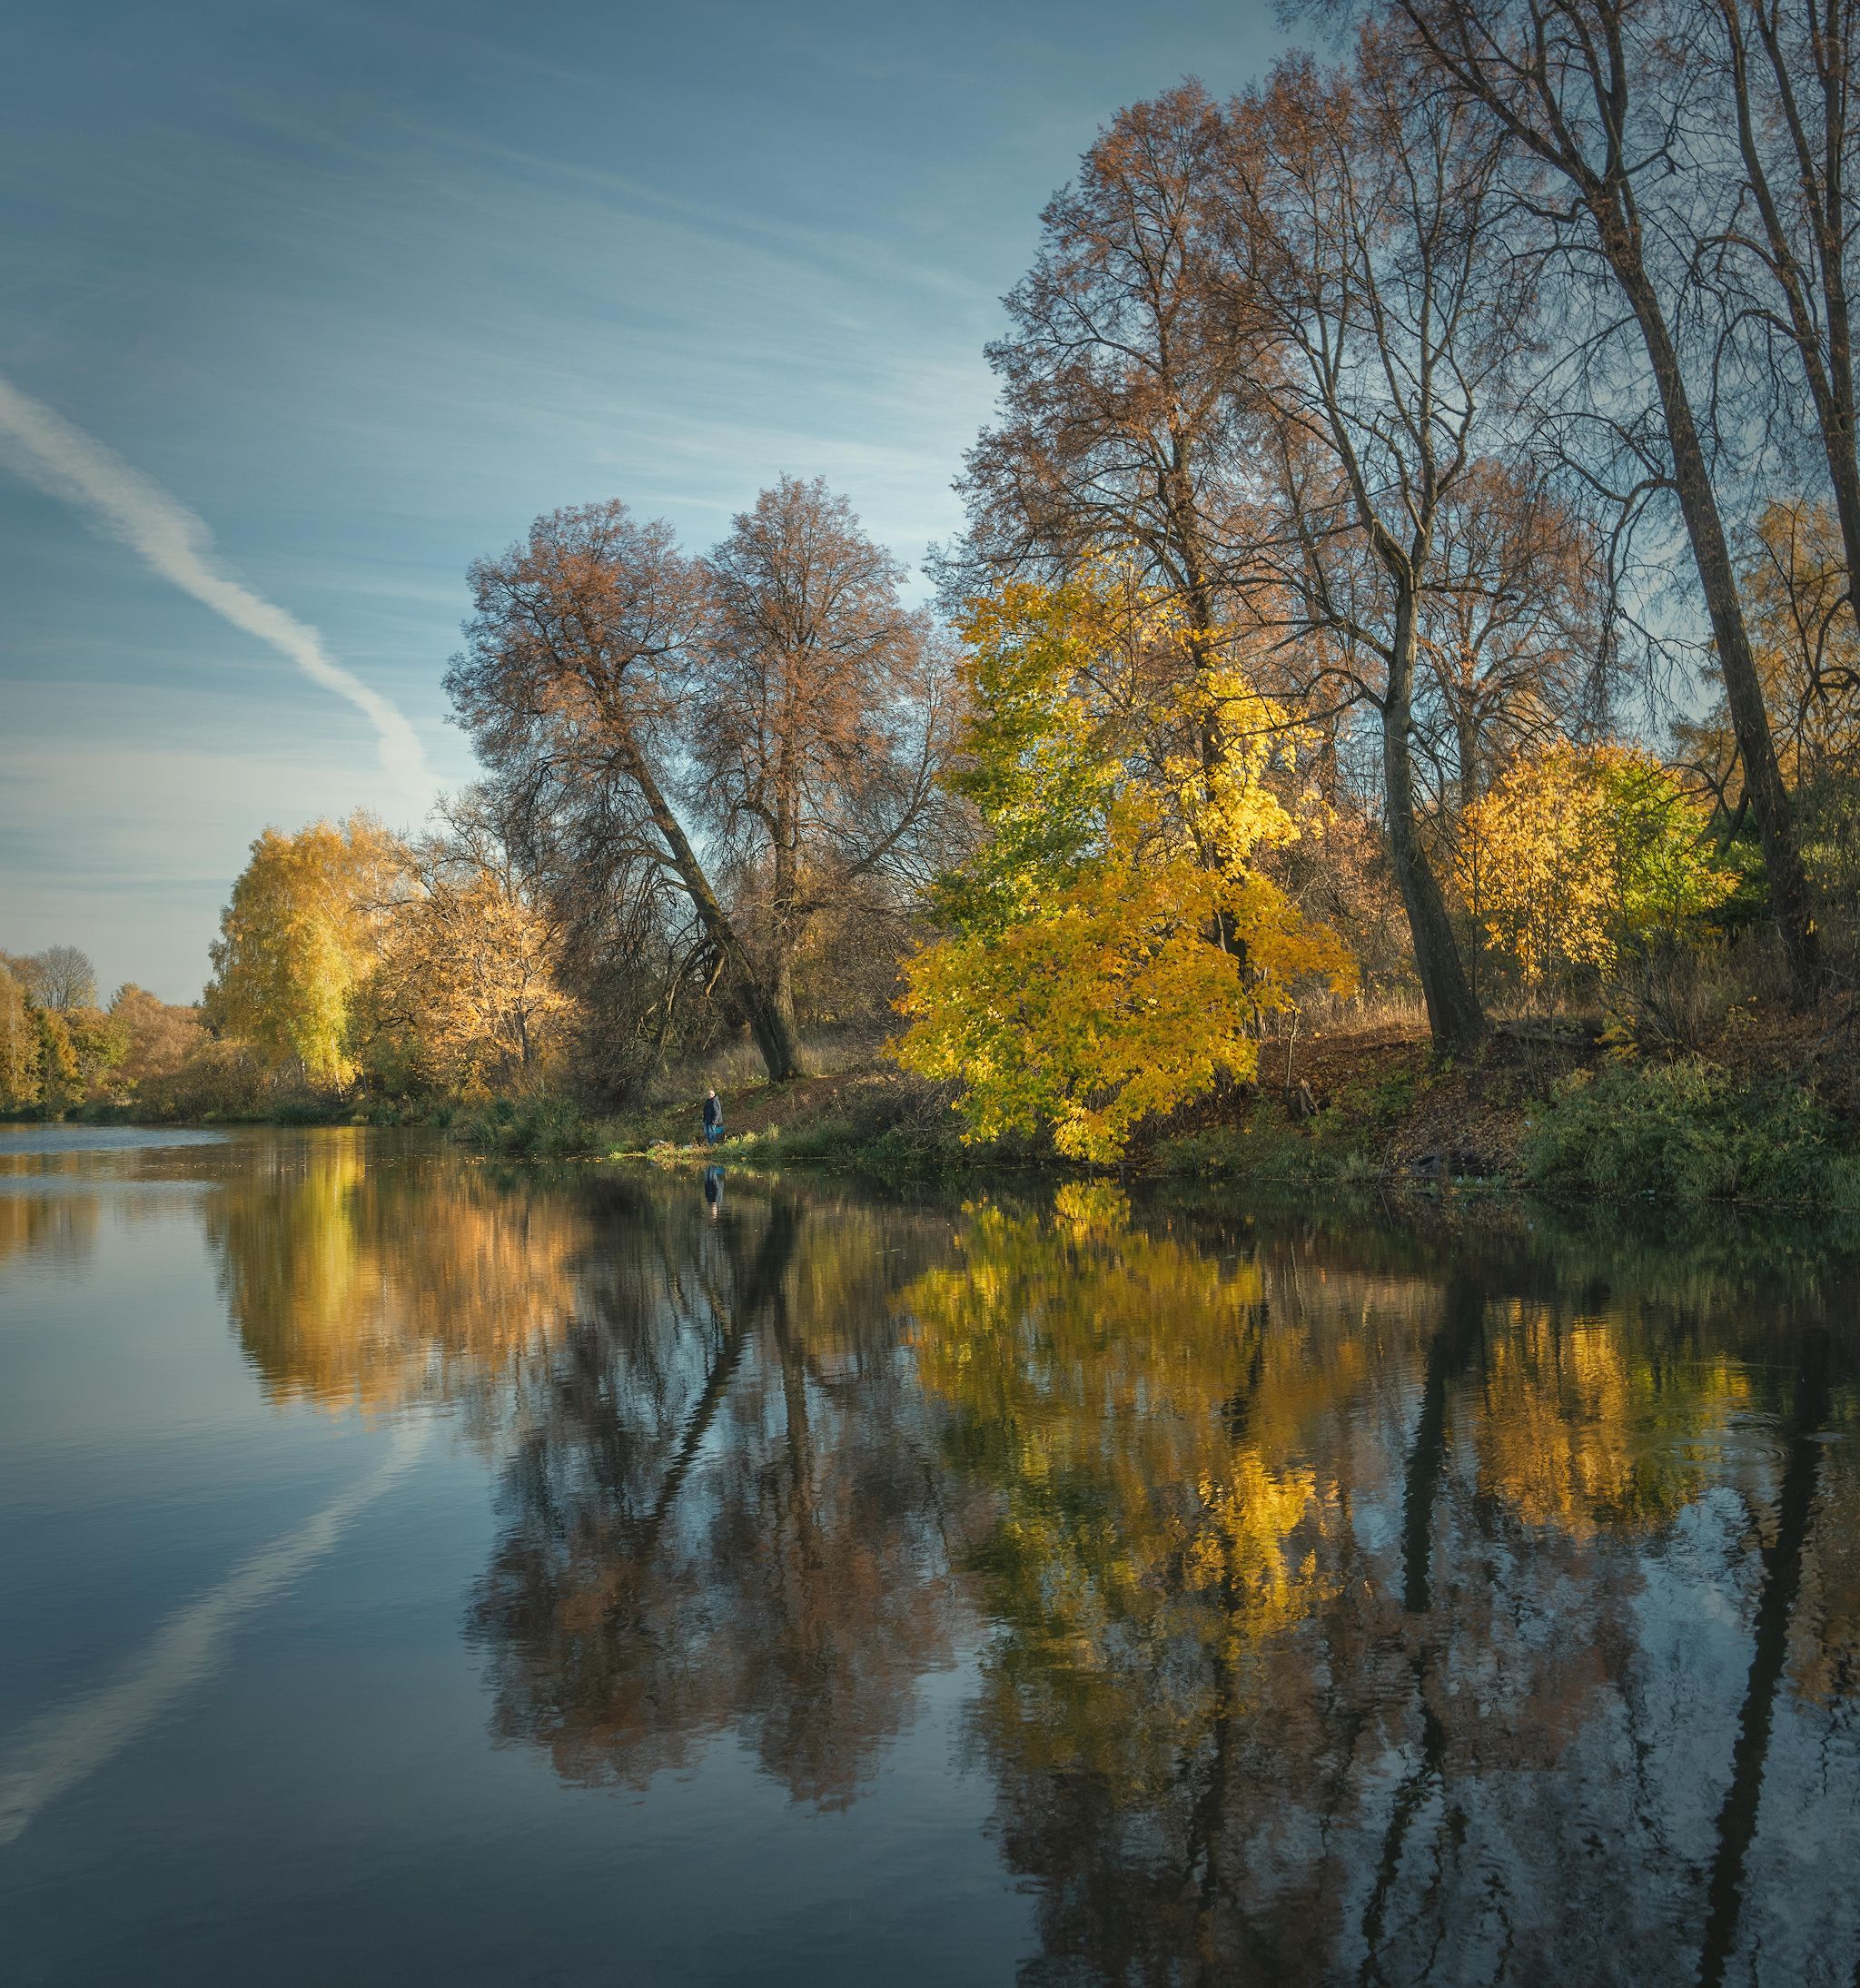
<point x="1688" y="1131"/>
<point x="542" y="1127"/>
<point x="1270" y="1153"/>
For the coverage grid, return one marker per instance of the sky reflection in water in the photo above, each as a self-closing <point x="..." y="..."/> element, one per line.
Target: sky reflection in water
<point x="409" y="1566"/>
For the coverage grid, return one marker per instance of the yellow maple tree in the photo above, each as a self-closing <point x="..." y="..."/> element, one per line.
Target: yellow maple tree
<point x="1111" y="951"/>
<point x="1577" y="852"/>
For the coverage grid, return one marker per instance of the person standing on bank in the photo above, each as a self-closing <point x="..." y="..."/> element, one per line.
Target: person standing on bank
<point x="713" y="1119"/>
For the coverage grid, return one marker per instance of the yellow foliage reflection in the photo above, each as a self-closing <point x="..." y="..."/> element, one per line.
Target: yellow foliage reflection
<point x="356" y="1280"/>
<point x="1319" y="1569"/>
<point x="1578" y="1429"/>
<point x="1148" y="1554"/>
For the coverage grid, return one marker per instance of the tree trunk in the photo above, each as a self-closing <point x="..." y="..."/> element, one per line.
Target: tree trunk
<point x="1775" y="1603"/>
<point x="781" y="1003"/>
<point x="774" y="1031"/>
<point x="1466" y="732"/>
<point x="775" y="1034"/>
<point x="1830" y="372"/>
<point x="1763" y="779"/>
<point x="784" y="920"/>
<point x="1454" y="1015"/>
<point x="1450" y="1351"/>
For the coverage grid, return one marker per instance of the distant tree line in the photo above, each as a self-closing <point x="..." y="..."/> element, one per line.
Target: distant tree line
<point x="60" y="1049"/>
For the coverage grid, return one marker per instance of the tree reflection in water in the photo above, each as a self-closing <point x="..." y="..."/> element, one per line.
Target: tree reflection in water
<point x="726" y="1512"/>
<point x="1362" y="1599"/>
<point x="1374" y="1608"/>
<point x="359" y="1276"/>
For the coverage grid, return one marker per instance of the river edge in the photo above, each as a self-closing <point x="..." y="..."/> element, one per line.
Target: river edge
<point x="1537" y="1110"/>
<point x="1767" y="1116"/>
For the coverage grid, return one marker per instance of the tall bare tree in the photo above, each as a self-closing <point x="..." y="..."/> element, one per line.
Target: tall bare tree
<point x="60" y="977"/>
<point x="1121" y="375"/>
<point x="821" y="715"/>
<point x="1573" y="88"/>
<point x="1124" y="383"/>
<point x="1788" y="69"/>
<point x="1357" y="216"/>
<point x="1514" y="636"/>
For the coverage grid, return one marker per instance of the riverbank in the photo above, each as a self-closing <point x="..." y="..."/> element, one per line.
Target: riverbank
<point x="1765" y="1112"/>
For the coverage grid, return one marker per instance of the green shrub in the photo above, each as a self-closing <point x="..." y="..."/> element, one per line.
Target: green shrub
<point x="1390" y="1099"/>
<point x="1269" y="1152"/>
<point x="531" y="1128"/>
<point x="1687" y="1131"/>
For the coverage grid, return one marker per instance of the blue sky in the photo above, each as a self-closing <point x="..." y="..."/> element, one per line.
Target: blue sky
<point x="365" y="288"/>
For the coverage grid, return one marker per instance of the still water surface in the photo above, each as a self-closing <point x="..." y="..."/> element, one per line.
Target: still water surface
<point x="409" y="1571"/>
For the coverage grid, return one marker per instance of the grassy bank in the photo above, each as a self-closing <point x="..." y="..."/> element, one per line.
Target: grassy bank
<point x="1768" y="1117"/>
<point x="1768" y="1114"/>
<point x="872" y="1120"/>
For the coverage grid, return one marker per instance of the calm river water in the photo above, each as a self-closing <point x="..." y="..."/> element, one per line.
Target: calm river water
<point x="412" y="1571"/>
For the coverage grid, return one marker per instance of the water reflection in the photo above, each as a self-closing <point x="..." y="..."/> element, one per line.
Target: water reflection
<point x="355" y="1277"/>
<point x="1404" y="1628"/>
<point x="47" y="1227"/>
<point x="1336" y="1596"/>
<point x="726" y="1512"/>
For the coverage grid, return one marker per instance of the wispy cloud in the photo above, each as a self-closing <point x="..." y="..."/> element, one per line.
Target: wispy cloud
<point x="63" y="1748"/>
<point x="176" y="544"/>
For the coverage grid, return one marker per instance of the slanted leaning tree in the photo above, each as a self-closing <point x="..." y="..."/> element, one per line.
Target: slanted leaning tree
<point x="764" y="726"/>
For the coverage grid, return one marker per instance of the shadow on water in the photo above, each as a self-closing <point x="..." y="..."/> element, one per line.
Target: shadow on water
<point x="1395" y="1595"/>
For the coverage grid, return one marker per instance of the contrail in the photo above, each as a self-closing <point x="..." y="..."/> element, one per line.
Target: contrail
<point x="69" y="464"/>
<point x="63" y="1748"/>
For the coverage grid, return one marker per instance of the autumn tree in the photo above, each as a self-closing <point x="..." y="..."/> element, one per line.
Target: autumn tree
<point x="1795" y="582"/>
<point x="1358" y="219"/>
<point x="1097" y="968"/>
<point x="1513" y="632"/>
<point x="19" y="1042"/>
<point x="466" y="991"/>
<point x="298" y="939"/>
<point x="821" y="711"/>
<point x="623" y="698"/>
<point x="1795" y="585"/>
<point x="1576" y="854"/>
<point x="78" y="1048"/>
<point x="1124" y="380"/>
<point x="159" y="1036"/>
<point x="1586" y="96"/>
